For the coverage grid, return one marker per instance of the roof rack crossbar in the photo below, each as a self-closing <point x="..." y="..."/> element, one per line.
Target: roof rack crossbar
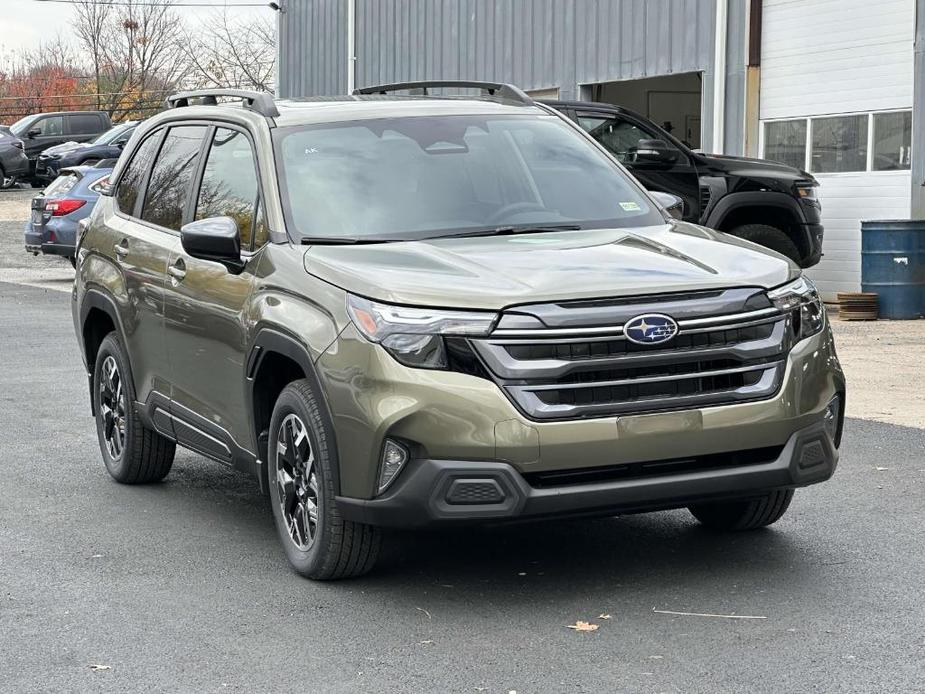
<point x="260" y="102"/>
<point x="505" y="92"/>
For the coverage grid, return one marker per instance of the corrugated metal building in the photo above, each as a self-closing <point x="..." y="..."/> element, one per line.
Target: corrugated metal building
<point x="570" y="48"/>
<point x="827" y="85"/>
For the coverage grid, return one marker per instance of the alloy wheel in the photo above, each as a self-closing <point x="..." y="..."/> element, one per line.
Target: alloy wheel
<point x="297" y="482"/>
<point x="112" y="407"/>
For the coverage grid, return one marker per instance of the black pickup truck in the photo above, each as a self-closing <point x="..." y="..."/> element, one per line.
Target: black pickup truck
<point x="762" y="201"/>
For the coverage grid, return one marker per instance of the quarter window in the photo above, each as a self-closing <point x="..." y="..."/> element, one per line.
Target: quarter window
<point x="839" y="144"/>
<point x="131" y="181"/>
<point x="230" y="188"/>
<point x="169" y="187"/>
<point x="892" y="141"/>
<point x="785" y="141"/>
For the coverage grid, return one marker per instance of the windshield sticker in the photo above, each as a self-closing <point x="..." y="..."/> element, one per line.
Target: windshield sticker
<point x="630" y="206"/>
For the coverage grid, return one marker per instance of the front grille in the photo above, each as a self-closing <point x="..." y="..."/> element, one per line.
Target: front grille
<point x="572" y="360"/>
<point x="654" y="468"/>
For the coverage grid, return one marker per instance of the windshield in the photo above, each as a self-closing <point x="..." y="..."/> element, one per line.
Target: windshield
<point x="113" y="134"/>
<point x="19" y="127"/>
<point x="420" y="177"/>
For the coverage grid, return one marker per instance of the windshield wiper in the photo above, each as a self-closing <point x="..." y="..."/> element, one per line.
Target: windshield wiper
<point x="510" y="230"/>
<point x="341" y="240"/>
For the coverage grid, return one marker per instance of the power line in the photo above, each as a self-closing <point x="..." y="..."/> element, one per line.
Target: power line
<point x="126" y="3"/>
<point x="91" y="95"/>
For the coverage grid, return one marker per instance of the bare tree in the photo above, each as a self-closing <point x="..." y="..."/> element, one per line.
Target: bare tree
<point x="226" y="51"/>
<point x="137" y="49"/>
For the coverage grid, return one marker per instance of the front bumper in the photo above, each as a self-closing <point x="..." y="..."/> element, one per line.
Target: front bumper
<point x="448" y="417"/>
<point x="814" y="234"/>
<point x="440" y="492"/>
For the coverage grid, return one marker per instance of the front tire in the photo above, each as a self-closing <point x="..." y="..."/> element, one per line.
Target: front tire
<point x="769" y="237"/>
<point x="747" y="514"/>
<point x="318" y="542"/>
<point x="133" y="454"/>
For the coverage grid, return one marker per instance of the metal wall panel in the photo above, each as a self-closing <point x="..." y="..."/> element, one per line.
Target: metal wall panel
<point x="534" y="44"/>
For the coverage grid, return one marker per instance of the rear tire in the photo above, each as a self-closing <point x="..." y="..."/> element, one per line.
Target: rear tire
<point x="769" y="237"/>
<point x="133" y="454"/>
<point x="747" y="514"/>
<point x="318" y="542"/>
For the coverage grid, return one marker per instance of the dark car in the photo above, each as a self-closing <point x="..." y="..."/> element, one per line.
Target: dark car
<point x="43" y="130"/>
<point x="14" y="163"/>
<point x="762" y="201"/>
<point x="52" y="227"/>
<point x="107" y="146"/>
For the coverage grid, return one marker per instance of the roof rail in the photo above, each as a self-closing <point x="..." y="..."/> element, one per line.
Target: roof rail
<point x="261" y="102"/>
<point x="505" y="92"/>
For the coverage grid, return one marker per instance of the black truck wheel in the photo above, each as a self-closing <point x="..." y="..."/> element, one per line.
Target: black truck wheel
<point x="769" y="237"/>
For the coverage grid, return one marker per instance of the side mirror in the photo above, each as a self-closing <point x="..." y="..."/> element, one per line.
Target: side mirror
<point x="672" y="204"/>
<point x="216" y="239"/>
<point x="33" y="133"/>
<point x="120" y="143"/>
<point x="654" y="152"/>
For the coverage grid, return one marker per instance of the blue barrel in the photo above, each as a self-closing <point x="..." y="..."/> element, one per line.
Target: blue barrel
<point x="893" y="265"/>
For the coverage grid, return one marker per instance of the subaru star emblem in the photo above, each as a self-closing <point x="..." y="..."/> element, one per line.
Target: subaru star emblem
<point x="650" y="329"/>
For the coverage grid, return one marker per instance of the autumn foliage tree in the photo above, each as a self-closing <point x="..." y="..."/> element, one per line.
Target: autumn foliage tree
<point x="40" y="79"/>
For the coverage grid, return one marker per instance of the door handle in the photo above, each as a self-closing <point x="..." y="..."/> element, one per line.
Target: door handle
<point x="177" y="270"/>
<point x="121" y="248"/>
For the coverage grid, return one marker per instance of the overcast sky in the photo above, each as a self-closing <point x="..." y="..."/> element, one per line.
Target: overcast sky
<point x="24" y="23"/>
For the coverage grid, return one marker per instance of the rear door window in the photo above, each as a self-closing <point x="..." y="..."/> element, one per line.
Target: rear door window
<point x="84" y="124"/>
<point x="169" y="186"/>
<point x="230" y="186"/>
<point x="130" y="184"/>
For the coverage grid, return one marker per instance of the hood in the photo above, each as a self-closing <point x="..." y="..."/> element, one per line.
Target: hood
<point x="63" y="148"/>
<point x="756" y="168"/>
<point x="499" y="271"/>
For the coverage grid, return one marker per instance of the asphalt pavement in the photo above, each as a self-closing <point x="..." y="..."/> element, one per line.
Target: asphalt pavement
<point x="181" y="586"/>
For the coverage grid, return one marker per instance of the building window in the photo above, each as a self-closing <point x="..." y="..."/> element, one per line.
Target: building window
<point x="839" y="144"/>
<point x="785" y="141"/>
<point x="892" y="141"/>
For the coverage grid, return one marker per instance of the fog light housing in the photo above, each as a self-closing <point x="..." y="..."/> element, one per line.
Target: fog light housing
<point x="832" y="419"/>
<point x="394" y="457"/>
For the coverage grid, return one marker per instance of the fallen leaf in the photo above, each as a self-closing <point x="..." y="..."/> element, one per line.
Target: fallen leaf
<point x="604" y="616"/>
<point x="583" y="626"/>
<point x="99" y="668"/>
<point x="424" y="611"/>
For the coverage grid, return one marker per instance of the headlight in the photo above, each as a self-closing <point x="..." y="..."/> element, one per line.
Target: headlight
<point x="802" y="301"/>
<point x="414" y="336"/>
<point x="808" y="192"/>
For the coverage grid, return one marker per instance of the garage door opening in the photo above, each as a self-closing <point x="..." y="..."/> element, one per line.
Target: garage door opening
<point x="672" y="102"/>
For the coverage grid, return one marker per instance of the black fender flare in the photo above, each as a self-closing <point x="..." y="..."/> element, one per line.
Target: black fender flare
<point x="734" y="201"/>
<point x="98" y="299"/>
<point x="270" y="339"/>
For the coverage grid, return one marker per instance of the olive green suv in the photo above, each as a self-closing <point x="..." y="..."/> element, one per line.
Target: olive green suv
<point x="402" y="308"/>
